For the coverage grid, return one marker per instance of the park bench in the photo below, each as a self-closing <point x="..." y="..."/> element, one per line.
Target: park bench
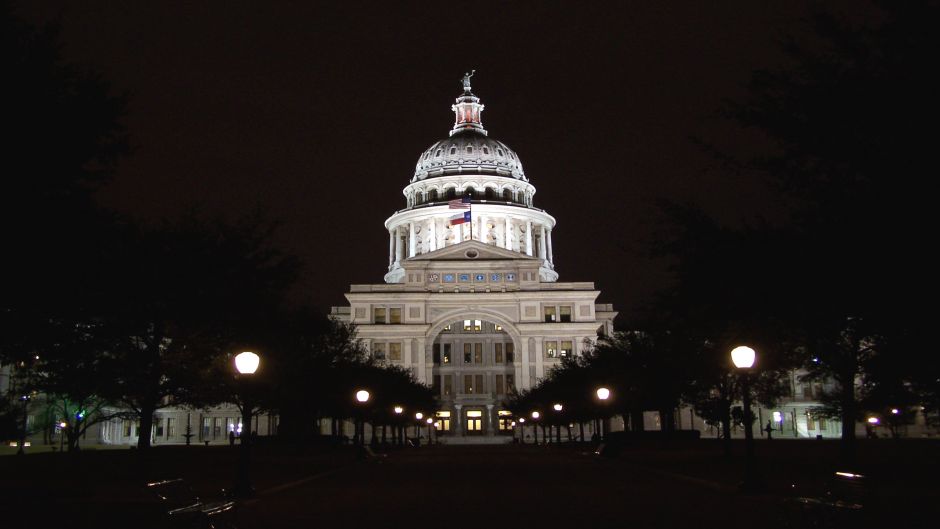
<point x="184" y="508"/>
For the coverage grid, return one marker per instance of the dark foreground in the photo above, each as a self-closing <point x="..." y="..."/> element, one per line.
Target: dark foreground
<point x="684" y="485"/>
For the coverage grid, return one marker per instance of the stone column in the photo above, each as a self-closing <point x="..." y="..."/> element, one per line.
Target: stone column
<point x="508" y="242"/>
<point x="458" y="423"/>
<point x="398" y="247"/>
<point x="432" y="234"/>
<point x="550" y="258"/>
<point x="489" y="419"/>
<point x="411" y="239"/>
<point x="481" y="229"/>
<point x="542" y="253"/>
<point x="528" y="238"/>
<point x="391" y="248"/>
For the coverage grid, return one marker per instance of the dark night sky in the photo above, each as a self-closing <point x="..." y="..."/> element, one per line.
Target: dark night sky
<point x="318" y="113"/>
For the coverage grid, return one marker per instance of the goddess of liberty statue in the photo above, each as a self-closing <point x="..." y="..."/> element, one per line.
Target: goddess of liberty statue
<point x="466" y="81"/>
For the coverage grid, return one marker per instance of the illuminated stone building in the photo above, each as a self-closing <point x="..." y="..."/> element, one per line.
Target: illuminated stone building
<point x="471" y="300"/>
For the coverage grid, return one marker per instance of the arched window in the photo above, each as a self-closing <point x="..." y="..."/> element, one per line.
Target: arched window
<point x="500" y="151"/>
<point x="453" y="150"/>
<point x="507" y="195"/>
<point x="450" y="193"/>
<point x="485" y="150"/>
<point x="469" y="149"/>
<point x="438" y="153"/>
<point x="489" y="194"/>
<point x="470" y="192"/>
<point x="419" y="198"/>
<point x="432" y="195"/>
<point x="428" y="155"/>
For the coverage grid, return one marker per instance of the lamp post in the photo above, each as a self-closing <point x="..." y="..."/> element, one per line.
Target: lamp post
<point x="521" y="430"/>
<point x="535" y="426"/>
<point x="603" y="394"/>
<point x="398" y="425"/>
<point x="558" y="408"/>
<point x="246" y="364"/>
<point x="418" y="417"/>
<point x="362" y="397"/>
<point x="743" y="358"/>
<point x="430" y="422"/>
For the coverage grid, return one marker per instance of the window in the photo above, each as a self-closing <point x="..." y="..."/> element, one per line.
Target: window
<point x="499" y="385"/>
<point x="128" y="427"/>
<point x="486" y="150"/>
<point x="170" y="427"/>
<point x="217" y="427"/>
<point x="419" y="197"/>
<point x="474" y="421"/>
<point x="468" y="384"/>
<point x="810" y="423"/>
<point x="394" y="315"/>
<point x="470" y="192"/>
<point x="436" y="353"/>
<point x="472" y="325"/>
<point x="436" y="385"/>
<point x="158" y="426"/>
<point x="505" y="420"/>
<point x="551" y="349"/>
<point x="469" y="149"/>
<point x="450" y="193"/>
<point x="807" y="391"/>
<point x="498" y="353"/>
<point x="378" y="351"/>
<point x="567" y="348"/>
<point x="564" y="314"/>
<point x="467" y="325"/>
<point x="443" y="421"/>
<point x="549" y="314"/>
<point x="438" y="153"/>
<point x="453" y="150"/>
<point x="446" y="357"/>
<point x="507" y="195"/>
<point x="448" y="385"/>
<point x="432" y="195"/>
<point x="489" y="193"/>
<point x="500" y="151"/>
<point x="206" y="425"/>
<point x="498" y="327"/>
<point x="510" y="349"/>
<point x="480" y="386"/>
<point x="467" y="353"/>
<point x="510" y="383"/>
<point x="378" y="314"/>
<point x="394" y="351"/>
<point x="478" y="353"/>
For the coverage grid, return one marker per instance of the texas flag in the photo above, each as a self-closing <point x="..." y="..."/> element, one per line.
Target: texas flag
<point x="460" y="219"/>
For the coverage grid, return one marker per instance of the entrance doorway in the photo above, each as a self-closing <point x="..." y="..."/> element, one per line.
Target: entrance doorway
<point x="474" y="422"/>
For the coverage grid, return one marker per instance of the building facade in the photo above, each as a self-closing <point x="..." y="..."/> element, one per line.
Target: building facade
<point x="471" y="300"/>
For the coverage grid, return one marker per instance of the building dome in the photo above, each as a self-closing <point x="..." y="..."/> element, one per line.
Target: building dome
<point x="468" y="151"/>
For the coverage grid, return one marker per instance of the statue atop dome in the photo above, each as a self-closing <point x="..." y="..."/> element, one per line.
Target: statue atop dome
<point x="466" y="81"/>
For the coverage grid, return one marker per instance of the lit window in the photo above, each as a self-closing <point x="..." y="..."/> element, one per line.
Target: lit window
<point x="466" y="325"/>
<point x="474" y="413"/>
<point x="445" y="358"/>
<point x="498" y="327"/>
<point x="551" y="349"/>
<point x="564" y="314"/>
<point x="477" y="325"/>
<point x="379" y="314"/>
<point x="394" y="315"/>
<point x="549" y="314"/>
<point x="447" y="327"/>
<point x="467" y="354"/>
<point x="566" y="349"/>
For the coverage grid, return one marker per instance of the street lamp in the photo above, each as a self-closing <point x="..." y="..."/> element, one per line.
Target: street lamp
<point x="535" y="427"/>
<point x="521" y="430"/>
<point x="743" y="358"/>
<point x="362" y="396"/>
<point x="603" y="395"/>
<point x="430" y="422"/>
<point x="418" y="417"/>
<point x="246" y="363"/>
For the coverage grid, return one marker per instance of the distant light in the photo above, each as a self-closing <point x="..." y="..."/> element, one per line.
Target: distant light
<point x="778" y="417"/>
<point x="894" y="411"/>
<point x="513" y="423"/>
<point x="430" y="420"/>
<point x="247" y="362"/>
<point x="399" y="409"/>
<point x="743" y="357"/>
<point x="815" y="359"/>
<point x="362" y="395"/>
<point x="36" y="357"/>
<point x="63" y="424"/>
<point x="419" y="416"/>
<point x="558" y="407"/>
<point x="849" y="475"/>
<point x="239" y="429"/>
<point x="873" y="420"/>
<point x="521" y="420"/>
<point x="536" y="415"/>
<point x="603" y="393"/>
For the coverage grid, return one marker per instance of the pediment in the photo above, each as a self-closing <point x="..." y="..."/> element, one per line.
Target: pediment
<point x="472" y="251"/>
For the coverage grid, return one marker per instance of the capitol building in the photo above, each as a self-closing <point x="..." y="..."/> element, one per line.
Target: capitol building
<point x="471" y="300"/>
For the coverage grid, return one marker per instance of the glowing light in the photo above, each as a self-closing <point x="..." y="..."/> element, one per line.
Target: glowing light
<point x="873" y="420"/>
<point x="536" y="415"/>
<point x="362" y="395"/>
<point x="778" y="417"/>
<point x="419" y="416"/>
<point x="558" y="407"/>
<point x="521" y="420"/>
<point x="743" y="357"/>
<point x="603" y="393"/>
<point x="430" y="420"/>
<point x="63" y="424"/>
<point x="247" y="363"/>
<point x="849" y="475"/>
<point x="894" y="411"/>
<point x="399" y="410"/>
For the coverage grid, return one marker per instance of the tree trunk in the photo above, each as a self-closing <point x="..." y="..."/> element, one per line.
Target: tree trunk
<point x="667" y="420"/>
<point x="847" y="443"/>
<point x="636" y="421"/>
<point x="146" y="425"/>
<point x="726" y="429"/>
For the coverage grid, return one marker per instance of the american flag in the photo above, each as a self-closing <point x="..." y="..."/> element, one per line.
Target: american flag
<point x="459" y="203"/>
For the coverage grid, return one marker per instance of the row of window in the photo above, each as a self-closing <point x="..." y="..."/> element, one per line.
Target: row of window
<point x="478" y="277"/>
<point x="507" y="195"/>
<point x="555" y="314"/>
<point x="475" y="384"/>
<point x="393" y="348"/>
<point x="473" y="353"/>
<point x="474" y="420"/>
